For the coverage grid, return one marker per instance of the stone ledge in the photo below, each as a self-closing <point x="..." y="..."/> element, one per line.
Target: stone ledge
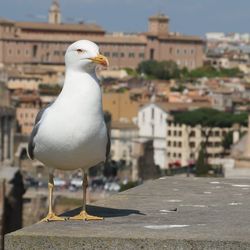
<point x="211" y="214"/>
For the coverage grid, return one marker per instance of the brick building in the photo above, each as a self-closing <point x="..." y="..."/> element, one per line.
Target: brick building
<point x="45" y="43"/>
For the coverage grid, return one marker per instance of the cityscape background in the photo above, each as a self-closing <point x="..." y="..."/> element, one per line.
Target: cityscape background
<point x="130" y="16"/>
<point x="175" y="97"/>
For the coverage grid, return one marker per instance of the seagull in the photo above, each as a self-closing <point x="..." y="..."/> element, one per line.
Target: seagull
<point x="71" y="133"/>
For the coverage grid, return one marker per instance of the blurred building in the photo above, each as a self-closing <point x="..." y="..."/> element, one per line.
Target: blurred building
<point x="46" y="42"/>
<point x="152" y="123"/>
<point x="121" y="106"/>
<point x="7" y="130"/>
<point x="143" y="167"/>
<point x="26" y="111"/>
<point x="122" y="136"/>
<point x="183" y="143"/>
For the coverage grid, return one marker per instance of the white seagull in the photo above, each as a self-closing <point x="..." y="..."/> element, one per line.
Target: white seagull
<point x="71" y="133"/>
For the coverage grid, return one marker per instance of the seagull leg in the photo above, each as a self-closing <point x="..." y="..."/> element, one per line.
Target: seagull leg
<point x="83" y="215"/>
<point x="51" y="215"/>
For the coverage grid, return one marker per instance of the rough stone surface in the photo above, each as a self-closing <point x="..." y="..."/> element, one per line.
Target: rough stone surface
<point x="211" y="214"/>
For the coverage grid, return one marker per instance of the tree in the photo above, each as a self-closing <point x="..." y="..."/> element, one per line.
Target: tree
<point x="201" y="164"/>
<point x="210" y="72"/>
<point x="164" y="70"/>
<point x="208" y="119"/>
<point x="227" y="140"/>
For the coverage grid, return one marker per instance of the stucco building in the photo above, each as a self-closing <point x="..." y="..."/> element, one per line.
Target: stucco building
<point x="7" y="130"/>
<point x="122" y="135"/>
<point x="155" y="123"/>
<point x="46" y="42"/>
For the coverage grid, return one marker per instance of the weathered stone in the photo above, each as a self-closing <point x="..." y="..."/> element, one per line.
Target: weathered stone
<point x="169" y="213"/>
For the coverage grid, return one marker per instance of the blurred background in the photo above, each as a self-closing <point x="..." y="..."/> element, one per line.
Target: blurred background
<point x="175" y="96"/>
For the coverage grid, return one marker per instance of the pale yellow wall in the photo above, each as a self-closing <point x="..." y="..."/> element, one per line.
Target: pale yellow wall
<point x="120" y="106"/>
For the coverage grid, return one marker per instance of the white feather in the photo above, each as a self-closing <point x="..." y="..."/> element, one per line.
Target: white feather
<point x="72" y="132"/>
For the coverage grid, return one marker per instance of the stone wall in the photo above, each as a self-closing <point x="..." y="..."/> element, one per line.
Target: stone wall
<point x="2" y="192"/>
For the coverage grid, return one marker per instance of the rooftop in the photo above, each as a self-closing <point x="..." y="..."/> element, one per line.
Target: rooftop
<point x="169" y="213"/>
<point x="73" y="27"/>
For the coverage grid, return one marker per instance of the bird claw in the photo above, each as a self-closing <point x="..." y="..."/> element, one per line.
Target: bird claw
<point x="83" y="215"/>
<point x="52" y="217"/>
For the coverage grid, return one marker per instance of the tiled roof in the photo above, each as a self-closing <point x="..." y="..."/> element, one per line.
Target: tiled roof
<point x="59" y="27"/>
<point x="123" y="125"/>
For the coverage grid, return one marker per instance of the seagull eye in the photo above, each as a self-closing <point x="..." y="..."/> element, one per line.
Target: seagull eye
<point x="80" y="51"/>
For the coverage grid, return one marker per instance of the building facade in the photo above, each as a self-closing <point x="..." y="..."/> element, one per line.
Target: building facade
<point x="122" y="135"/>
<point x="153" y="126"/>
<point x="45" y="43"/>
<point x="7" y="130"/>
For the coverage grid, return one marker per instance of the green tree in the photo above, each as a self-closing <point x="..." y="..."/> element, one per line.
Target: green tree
<point x="201" y="164"/>
<point x="164" y="70"/>
<point x="209" y="118"/>
<point x="210" y="72"/>
<point x="227" y="141"/>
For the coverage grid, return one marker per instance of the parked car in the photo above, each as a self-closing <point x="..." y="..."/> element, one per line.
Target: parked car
<point x="58" y="182"/>
<point x="112" y="186"/>
<point x="76" y="182"/>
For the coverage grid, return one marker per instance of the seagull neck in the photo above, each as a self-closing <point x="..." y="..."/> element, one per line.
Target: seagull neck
<point x="76" y="74"/>
<point x="80" y="85"/>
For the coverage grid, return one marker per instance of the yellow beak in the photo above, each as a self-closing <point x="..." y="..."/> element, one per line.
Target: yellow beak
<point x="100" y="59"/>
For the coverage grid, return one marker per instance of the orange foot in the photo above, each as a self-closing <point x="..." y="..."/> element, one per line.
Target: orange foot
<point x="85" y="216"/>
<point x="52" y="217"/>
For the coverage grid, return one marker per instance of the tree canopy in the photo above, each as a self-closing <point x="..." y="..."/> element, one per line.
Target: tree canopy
<point x="210" y="72"/>
<point x="166" y="70"/>
<point x="207" y="117"/>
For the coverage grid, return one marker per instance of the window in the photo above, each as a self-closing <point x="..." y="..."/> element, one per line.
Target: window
<point x="106" y="54"/>
<point x="143" y="116"/>
<point x="152" y="113"/>
<point x="141" y="55"/>
<point x="169" y="143"/>
<point x="34" y="51"/>
<point x="170" y="51"/>
<point x="217" y="133"/>
<point x="179" y="144"/>
<point x="192" y="144"/>
<point x="122" y="54"/>
<point x="169" y="132"/>
<point x="151" y="54"/>
<point x="177" y="51"/>
<point x="56" y="53"/>
<point x="114" y="54"/>
<point x="124" y="153"/>
<point x="192" y="134"/>
<point x="180" y="133"/>
<point x="131" y="55"/>
<point x="10" y="51"/>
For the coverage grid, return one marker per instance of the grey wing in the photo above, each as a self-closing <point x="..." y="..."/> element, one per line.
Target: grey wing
<point x="108" y="144"/>
<point x="31" y="144"/>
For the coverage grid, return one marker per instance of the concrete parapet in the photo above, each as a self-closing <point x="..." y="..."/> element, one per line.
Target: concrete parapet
<point x="169" y="213"/>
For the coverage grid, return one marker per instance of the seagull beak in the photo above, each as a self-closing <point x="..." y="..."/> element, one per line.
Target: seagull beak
<point x="100" y="59"/>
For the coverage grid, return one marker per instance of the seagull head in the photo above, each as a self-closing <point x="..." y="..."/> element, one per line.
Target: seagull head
<point x="84" y="55"/>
